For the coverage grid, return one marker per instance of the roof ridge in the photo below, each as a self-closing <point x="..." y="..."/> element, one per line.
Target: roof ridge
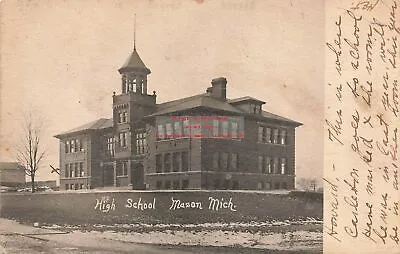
<point x="181" y="99"/>
<point x="92" y="125"/>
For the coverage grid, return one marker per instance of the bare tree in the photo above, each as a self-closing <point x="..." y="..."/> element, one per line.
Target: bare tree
<point x="30" y="150"/>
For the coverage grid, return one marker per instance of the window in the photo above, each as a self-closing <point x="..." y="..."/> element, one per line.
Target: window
<point x="72" y="146"/>
<point x="186" y="128"/>
<point x="216" y="160"/>
<point x="225" y="125"/>
<point x="257" y="109"/>
<point x="224" y="161"/>
<point x="276" y="165"/>
<point x="125" y="168"/>
<point x="267" y="135"/>
<point x="124" y="117"/>
<point x="161" y="132"/>
<point x="167" y="162"/>
<point x="275" y="137"/>
<point x="277" y="186"/>
<point x="159" y="163"/>
<point x="283" y="166"/>
<point x="260" y="134"/>
<point x="119" y="117"/>
<point x="284" y="185"/>
<point x="268" y="165"/>
<point x="127" y="82"/>
<point x="133" y="85"/>
<point x="81" y="172"/>
<point x="122" y="139"/>
<point x="67" y="186"/>
<point x="282" y="137"/>
<point x="77" y="172"/>
<point x="168" y="128"/>
<point x="167" y="184"/>
<point x="259" y="185"/>
<point x="185" y="161"/>
<point x="176" y="184"/>
<point x="267" y="186"/>
<point x="234" y="161"/>
<point x="110" y="146"/>
<point x="119" y="169"/>
<point x="123" y="84"/>
<point x="196" y="129"/>
<point x="261" y="164"/>
<point x="177" y="130"/>
<point x="78" y="145"/>
<point x="234" y="130"/>
<point x="215" y="128"/>
<point x="66" y="170"/>
<point x="140" y="143"/>
<point x="81" y="186"/>
<point x="67" y="146"/>
<point x="129" y="86"/>
<point x="158" y="185"/>
<point x="122" y="170"/>
<point x="185" y="184"/>
<point x="72" y="170"/>
<point x="176" y="161"/>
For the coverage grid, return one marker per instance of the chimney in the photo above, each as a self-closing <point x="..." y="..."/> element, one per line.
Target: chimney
<point x="218" y="90"/>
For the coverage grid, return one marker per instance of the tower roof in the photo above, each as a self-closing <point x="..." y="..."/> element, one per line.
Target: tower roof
<point x="134" y="62"/>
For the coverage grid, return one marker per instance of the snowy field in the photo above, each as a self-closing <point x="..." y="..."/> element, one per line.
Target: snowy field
<point x="295" y="235"/>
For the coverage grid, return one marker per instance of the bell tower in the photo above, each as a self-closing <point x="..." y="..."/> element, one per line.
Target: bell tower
<point x="134" y="74"/>
<point x="129" y="107"/>
<point x="134" y="101"/>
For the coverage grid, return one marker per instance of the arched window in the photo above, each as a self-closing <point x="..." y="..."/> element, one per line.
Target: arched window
<point x="134" y="85"/>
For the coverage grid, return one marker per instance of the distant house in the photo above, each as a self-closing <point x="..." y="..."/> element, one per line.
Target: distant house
<point x="206" y="141"/>
<point x="12" y="174"/>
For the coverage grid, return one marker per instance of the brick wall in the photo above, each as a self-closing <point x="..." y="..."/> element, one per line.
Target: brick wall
<point x="79" y="156"/>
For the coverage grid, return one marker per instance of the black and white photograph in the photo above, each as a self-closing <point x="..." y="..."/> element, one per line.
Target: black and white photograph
<point x="149" y="126"/>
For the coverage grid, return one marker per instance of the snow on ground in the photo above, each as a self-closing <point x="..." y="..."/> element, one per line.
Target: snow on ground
<point x="298" y="240"/>
<point x="219" y="225"/>
<point x="296" y="235"/>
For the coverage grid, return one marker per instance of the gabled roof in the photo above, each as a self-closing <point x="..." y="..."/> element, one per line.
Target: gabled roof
<point x="196" y="101"/>
<point x="244" y="99"/>
<point x="98" y="124"/>
<point x="134" y="62"/>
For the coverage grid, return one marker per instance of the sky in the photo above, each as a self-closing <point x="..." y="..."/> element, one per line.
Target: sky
<point x="60" y="58"/>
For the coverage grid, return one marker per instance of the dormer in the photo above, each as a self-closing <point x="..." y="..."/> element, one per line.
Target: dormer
<point x="248" y="104"/>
